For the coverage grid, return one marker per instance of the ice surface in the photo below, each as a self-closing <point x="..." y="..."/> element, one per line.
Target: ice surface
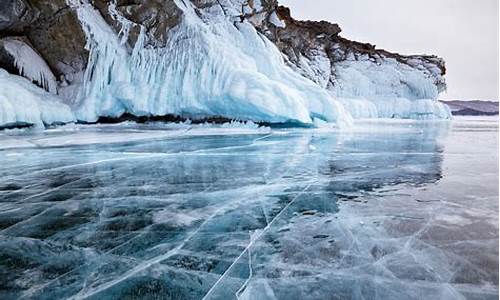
<point x="72" y="135"/>
<point x="390" y="210"/>
<point x="23" y="103"/>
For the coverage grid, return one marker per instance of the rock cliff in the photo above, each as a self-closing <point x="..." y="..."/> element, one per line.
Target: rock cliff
<point x="146" y="57"/>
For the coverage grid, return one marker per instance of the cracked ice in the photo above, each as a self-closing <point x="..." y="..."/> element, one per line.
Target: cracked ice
<point x="385" y="211"/>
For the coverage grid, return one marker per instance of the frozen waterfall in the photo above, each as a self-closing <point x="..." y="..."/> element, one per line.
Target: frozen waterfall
<point x="206" y="69"/>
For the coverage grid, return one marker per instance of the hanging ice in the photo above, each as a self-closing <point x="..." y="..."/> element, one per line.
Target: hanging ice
<point x="216" y="68"/>
<point x="30" y="64"/>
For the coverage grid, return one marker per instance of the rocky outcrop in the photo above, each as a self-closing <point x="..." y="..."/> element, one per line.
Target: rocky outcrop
<point x="51" y="28"/>
<point x="316" y="50"/>
<point x="310" y="44"/>
<point x="156" y="17"/>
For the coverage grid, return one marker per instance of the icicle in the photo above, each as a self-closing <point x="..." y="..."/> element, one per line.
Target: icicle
<point x="30" y="64"/>
<point x="126" y="24"/>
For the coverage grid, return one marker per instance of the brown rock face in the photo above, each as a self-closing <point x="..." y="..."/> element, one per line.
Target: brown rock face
<point x="51" y="27"/>
<point x="57" y="34"/>
<point x="15" y="16"/>
<point x="156" y="16"/>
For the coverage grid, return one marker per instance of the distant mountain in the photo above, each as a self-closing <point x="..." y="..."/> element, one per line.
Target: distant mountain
<point x="472" y="108"/>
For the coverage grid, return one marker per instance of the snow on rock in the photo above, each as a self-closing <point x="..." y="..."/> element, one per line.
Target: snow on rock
<point x="396" y="108"/>
<point x="316" y="66"/>
<point x="216" y="68"/>
<point x="276" y="21"/>
<point x="369" y="82"/>
<point x="30" y="64"/>
<point x="23" y="103"/>
<point x="363" y="78"/>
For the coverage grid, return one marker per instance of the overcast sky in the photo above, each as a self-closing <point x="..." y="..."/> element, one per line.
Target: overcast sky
<point x="463" y="32"/>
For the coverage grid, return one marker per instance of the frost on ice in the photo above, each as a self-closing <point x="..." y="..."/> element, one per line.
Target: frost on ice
<point x="23" y="103"/>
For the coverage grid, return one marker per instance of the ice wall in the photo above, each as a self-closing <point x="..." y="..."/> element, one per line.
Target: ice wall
<point x="388" y="89"/>
<point x="219" y="67"/>
<point x="23" y="103"/>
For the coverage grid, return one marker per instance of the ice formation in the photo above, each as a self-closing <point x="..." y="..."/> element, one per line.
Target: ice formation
<point x="387" y="90"/>
<point x="30" y="64"/>
<point x="23" y="103"/>
<point x="276" y="21"/>
<point x="220" y="60"/>
<point x="206" y="69"/>
<point x="214" y="66"/>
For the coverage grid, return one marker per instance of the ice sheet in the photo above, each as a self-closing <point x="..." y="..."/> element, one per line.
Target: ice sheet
<point x="399" y="211"/>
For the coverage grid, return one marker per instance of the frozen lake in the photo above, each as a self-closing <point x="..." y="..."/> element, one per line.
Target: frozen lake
<point x="388" y="210"/>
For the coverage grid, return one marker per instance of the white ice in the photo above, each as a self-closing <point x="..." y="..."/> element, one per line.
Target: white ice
<point x="388" y="89"/>
<point x="22" y="102"/>
<point x="206" y="69"/>
<point x="215" y="65"/>
<point x="30" y="64"/>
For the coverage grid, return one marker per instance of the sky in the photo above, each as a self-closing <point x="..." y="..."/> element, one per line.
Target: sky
<point x="463" y="32"/>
